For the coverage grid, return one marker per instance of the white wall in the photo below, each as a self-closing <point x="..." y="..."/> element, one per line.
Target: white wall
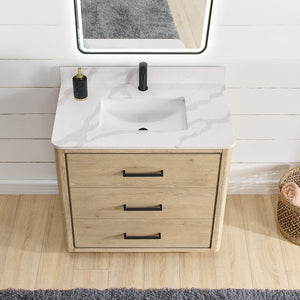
<point x="258" y="42"/>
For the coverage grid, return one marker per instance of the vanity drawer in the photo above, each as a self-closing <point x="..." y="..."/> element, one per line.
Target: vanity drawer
<point x="142" y="233"/>
<point x="180" y="203"/>
<point x="143" y="170"/>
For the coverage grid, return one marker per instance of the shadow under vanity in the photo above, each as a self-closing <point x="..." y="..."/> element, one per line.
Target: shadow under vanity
<point x="157" y="190"/>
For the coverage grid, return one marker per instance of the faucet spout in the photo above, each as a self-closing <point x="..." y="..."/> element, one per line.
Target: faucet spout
<point x="143" y="77"/>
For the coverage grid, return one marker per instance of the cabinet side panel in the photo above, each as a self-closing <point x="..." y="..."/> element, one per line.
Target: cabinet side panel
<point x="221" y="199"/>
<point x="62" y="180"/>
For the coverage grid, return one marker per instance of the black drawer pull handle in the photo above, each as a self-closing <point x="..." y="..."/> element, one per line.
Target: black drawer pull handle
<point x="142" y="237"/>
<point x="155" y="174"/>
<point x="154" y="208"/>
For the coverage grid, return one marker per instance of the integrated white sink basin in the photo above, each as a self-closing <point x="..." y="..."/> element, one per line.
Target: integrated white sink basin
<point x="143" y="113"/>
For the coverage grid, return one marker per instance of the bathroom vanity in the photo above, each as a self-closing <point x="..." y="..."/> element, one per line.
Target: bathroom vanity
<point x="159" y="189"/>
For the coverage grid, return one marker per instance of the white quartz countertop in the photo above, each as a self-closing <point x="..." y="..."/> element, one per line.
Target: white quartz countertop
<point x="208" y="117"/>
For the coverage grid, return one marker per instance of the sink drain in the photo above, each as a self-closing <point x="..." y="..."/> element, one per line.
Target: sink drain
<point x="143" y="128"/>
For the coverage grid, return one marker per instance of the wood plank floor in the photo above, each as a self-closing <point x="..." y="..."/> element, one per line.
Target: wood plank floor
<point x="253" y="253"/>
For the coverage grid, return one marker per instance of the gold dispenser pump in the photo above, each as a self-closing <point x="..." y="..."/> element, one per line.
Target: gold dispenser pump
<point x="79" y="74"/>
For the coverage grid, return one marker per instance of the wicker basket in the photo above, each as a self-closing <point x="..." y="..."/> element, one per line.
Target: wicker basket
<point x="288" y="215"/>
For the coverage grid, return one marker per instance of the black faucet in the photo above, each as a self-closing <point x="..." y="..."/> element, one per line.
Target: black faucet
<point x="143" y="76"/>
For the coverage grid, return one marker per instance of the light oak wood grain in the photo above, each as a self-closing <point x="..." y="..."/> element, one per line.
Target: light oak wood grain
<point x="233" y="254"/>
<point x="197" y="270"/>
<point x="54" y="259"/>
<point x="33" y="234"/>
<point x="63" y="187"/>
<point x="105" y="170"/>
<point x="221" y="199"/>
<point x="92" y="213"/>
<point x="290" y="251"/>
<point x="263" y="243"/>
<point x="149" y="151"/>
<point x="92" y="261"/>
<point x="258" y="178"/>
<point x="177" y="203"/>
<point x="8" y="210"/>
<point x="186" y="233"/>
<point x="162" y="270"/>
<point x="142" y="250"/>
<point x="126" y="270"/>
<point x="25" y="243"/>
<point x="188" y="16"/>
<point x="90" y="279"/>
<point x="291" y="254"/>
<point x="293" y="278"/>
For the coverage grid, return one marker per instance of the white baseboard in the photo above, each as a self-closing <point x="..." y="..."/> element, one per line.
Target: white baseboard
<point x="19" y="187"/>
<point x="254" y="188"/>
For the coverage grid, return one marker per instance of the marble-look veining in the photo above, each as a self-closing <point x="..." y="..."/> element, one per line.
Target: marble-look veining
<point x="208" y="117"/>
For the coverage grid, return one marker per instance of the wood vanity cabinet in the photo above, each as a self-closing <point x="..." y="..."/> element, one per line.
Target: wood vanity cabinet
<point x="143" y="200"/>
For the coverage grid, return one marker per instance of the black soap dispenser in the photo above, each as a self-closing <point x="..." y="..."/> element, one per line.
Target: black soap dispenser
<point x="80" y="86"/>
